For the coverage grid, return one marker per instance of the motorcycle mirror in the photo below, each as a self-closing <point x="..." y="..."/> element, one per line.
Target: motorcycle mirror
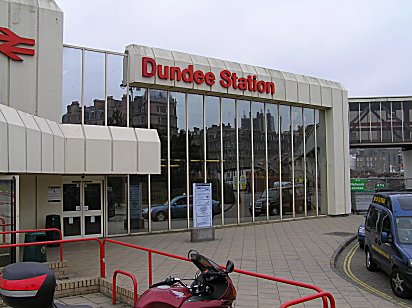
<point x="230" y="266"/>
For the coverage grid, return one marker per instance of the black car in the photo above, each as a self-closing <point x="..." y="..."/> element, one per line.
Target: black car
<point x="388" y="239"/>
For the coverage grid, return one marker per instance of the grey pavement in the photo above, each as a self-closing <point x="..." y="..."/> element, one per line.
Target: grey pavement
<point x="299" y="250"/>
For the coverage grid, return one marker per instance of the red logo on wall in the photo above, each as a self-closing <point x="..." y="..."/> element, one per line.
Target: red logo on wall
<point x="10" y="40"/>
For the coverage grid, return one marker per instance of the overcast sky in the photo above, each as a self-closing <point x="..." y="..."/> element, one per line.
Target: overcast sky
<point x="364" y="44"/>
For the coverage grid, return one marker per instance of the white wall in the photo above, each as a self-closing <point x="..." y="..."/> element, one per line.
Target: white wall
<point x="28" y="202"/>
<point x="43" y="206"/>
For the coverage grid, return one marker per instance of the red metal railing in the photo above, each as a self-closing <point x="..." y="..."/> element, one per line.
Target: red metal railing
<point x="37" y="230"/>
<point x="320" y="293"/>
<point x="88" y="239"/>
<point x="114" y="288"/>
<point x="3" y="227"/>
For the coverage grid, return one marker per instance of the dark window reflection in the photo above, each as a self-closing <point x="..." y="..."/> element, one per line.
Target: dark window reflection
<point x="364" y="122"/>
<point x="386" y="113"/>
<point x="116" y="96"/>
<point x="229" y="160"/>
<point x="397" y="121"/>
<point x="139" y="203"/>
<point x="286" y="161"/>
<point x="245" y="159"/>
<point x="273" y="163"/>
<point x="298" y="162"/>
<point x="178" y="160"/>
<point x="213" y="155"/>
<point x="310" y="160"/>
<point x="407" y="120"/>
<point x="354" y="127"/>
<point x="322" y="163"/>
<point x="259" y="155"/>
<point x="117" y="210"/>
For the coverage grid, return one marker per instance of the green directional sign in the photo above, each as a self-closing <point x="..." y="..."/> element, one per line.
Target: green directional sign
<point x="357" y="185"/>
<point x="380" y="185"/>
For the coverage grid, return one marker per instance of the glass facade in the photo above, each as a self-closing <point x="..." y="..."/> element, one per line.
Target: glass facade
<point x="265" y="160"/>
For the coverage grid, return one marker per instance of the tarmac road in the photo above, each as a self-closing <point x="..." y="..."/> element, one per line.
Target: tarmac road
<point x="351" y="265"/>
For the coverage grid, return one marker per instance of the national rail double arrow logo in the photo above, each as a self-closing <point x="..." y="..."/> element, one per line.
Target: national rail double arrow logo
<point x="10" y="40"/>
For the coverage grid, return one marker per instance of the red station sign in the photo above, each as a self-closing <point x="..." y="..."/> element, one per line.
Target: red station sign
<point x="227" y="79"/>
<point x="10" y="40"/>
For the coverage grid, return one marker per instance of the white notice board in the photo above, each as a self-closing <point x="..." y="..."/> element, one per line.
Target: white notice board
<point x="202" y="205"/>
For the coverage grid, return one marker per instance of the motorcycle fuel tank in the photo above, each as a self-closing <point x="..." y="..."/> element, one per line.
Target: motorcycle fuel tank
<point x="164" y="297"/>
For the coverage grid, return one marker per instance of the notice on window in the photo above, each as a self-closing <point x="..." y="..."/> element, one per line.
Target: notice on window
<point x="55" y="193"/>
<point x="202" y="205"/>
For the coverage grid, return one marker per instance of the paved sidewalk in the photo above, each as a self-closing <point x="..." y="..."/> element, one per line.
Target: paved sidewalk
<point x="299" y="250"/>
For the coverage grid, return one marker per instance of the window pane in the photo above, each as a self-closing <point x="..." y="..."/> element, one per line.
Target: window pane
<point x="159" y="190"/>
<point x="139" y="203"/>
<point x="138" y="108"/>
<point x="116" y="93"/>
<point x="229" y="160"/>
<point x="213" y="158"/>
<point x="259" y="155"/>
<point x="245" y="159"/>
<point x="72" y="86"/>
<point x="407" y="117"/>
<point x="309" y="121"/>
<point x="386" y="121"/>
<point x="178" y="168"/>
<point x="298" y="162"/>
<point x="322" y="163"/>
<point x="273" y="162"/>
<point x="365" y="122"/>
<point x="94" y="103"/>
<point x="376" y="125"/>
<point x="117" y="212"/>
<point x="397" y="121"/>
<point x="354" y="122"/>
<point x="286" y="160"/>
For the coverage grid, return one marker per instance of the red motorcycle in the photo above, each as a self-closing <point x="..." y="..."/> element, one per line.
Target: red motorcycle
<point x="211" y="287"/>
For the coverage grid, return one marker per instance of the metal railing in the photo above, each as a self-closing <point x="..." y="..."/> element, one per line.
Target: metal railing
<point x="114" y="287"/>
<point x="320" y="293"/>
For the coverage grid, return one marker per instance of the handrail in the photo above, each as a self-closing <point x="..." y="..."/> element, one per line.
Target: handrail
<point x="309" y="298"/>
<point x="38" y="230"/>
<point x="102" y="252"/>
<point x="114" y="285"/>
<point x="3" y="227"/>
<point x="320" y="293"/>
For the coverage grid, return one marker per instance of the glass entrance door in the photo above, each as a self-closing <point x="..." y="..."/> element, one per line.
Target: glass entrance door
<point x="82" y="209"/>
<point x="8" y="189"/>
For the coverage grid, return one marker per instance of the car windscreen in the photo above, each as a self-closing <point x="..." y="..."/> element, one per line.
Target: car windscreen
<point x="404" y="229"/>
<point x="405" y="202"/>
<point x="273" y="193"/>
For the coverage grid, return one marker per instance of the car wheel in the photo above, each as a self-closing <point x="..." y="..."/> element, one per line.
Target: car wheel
<point x="370" y="263"/>
<point x="273" y="211"/>
<point x="161" y="216"/>
<point x="398" y="284"/>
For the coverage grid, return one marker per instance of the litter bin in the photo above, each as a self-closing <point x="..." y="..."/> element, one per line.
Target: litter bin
<point x="36" y="253"/>
<point x="53" y="221"/>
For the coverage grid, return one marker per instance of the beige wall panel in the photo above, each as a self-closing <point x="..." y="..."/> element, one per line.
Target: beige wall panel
<point x="165" y="58"/>
<point x="124" y="150"/>
<point x="4" y="149"/>
<point x="16" y="138"/>
<point x="44" y="207"/>
<point x="291" y="86"/>
<point x="182" y="60"/>
<point x="50" y="59"/>
<point x="201" y="63"/>
<point x="314" y="89"/>
<point x="27" y="200"/>
<point x="216" y="66"/>
<point x="280" y="86"/>
<point x="136" y="53"/>
<point x="263" y="74"/>
<point x="74" y="148"/>
<point x="58" y="147"/>
<point x="148" y="151"/>
<point x="46" y="145"/>
<point x="33" y="143"/>
<point x="23" y="74"/>
<point x="98" y="149"/>
<point x="4" y="61"/>
<point x="234" y="67"/>
<point x="303" y="89"/>
<point x="326" y="93"/>
<point x="246" y="71"/>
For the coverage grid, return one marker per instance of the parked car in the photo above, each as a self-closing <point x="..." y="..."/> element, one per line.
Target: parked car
<point x="274" y="200"/>
<point x="178" y="209"/>
<point x="361" y="235"/>
<point x="388" y="239"/>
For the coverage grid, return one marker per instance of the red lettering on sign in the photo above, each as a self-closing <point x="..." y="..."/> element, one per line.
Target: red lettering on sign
<point x="189" y="75"/>
<point x="11" y="40"/>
